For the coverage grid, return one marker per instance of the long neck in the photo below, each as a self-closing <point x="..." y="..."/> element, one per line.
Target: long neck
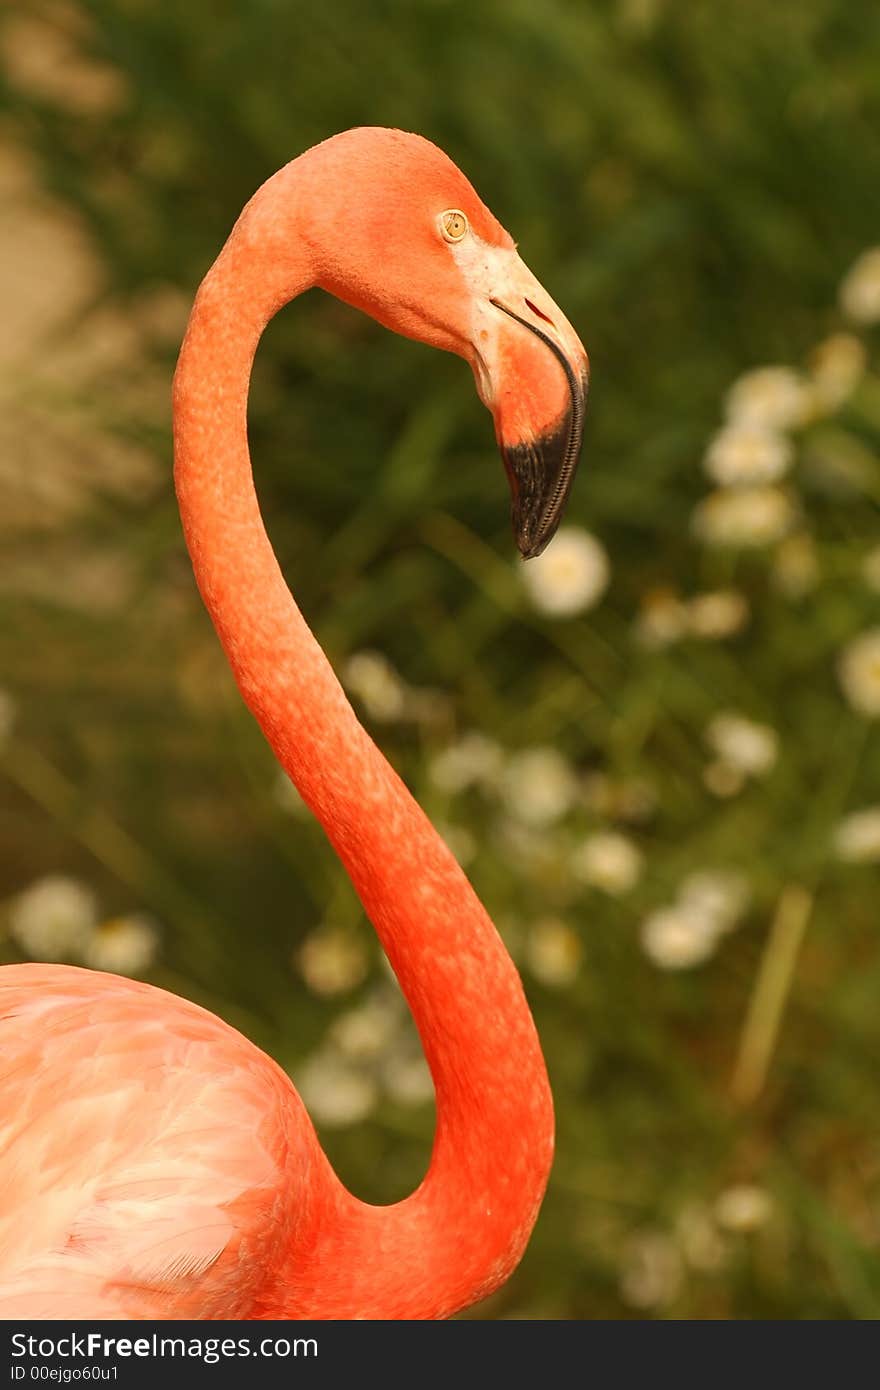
<point x="459" y="1235"/>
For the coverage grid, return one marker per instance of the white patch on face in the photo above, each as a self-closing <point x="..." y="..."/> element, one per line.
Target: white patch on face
<point x="497" y="272"/>
<point x="487" y="272"/>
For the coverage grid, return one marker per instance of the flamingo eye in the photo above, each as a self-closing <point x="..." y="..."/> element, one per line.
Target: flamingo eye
<point x="453" y="224"/>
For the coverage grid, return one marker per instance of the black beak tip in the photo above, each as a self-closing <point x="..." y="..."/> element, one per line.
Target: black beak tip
<point x="541" y="476"/>
<point x="529" y="545"/>
<point x="541" y="472"/>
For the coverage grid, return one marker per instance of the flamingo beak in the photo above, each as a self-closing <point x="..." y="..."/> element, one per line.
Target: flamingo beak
<point x="532" y="372"/>
<point x="541" y="467"/>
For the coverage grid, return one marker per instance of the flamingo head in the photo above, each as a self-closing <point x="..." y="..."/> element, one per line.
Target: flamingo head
<point x="399" y="232"/>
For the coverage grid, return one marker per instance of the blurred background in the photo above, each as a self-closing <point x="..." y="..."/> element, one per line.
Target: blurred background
<point x="655" y="750"/>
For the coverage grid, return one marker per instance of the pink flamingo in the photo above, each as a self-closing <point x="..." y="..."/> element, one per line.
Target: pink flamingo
<point x="153" y="1162"/>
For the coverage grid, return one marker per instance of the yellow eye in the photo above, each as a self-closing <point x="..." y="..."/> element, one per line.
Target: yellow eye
<point x="453" y="224"/>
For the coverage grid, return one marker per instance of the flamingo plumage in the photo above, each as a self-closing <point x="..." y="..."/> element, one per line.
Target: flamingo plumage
<point x="153" y="1162"/>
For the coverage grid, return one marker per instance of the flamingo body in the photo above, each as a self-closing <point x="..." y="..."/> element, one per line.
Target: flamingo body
<point x="153" y="1163"/>
<point x="127" y="1190"/>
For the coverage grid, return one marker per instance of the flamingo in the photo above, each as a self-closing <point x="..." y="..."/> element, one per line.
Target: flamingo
<point x="153" y="1162"/>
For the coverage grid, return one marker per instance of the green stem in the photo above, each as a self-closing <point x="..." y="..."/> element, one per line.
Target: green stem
<point x="767" y="1004"/>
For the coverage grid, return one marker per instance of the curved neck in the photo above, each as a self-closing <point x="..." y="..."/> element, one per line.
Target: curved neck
<point x="460" y="1234"/>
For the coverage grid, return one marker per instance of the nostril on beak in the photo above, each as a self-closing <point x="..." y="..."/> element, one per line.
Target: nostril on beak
<point x="537" y="312"/>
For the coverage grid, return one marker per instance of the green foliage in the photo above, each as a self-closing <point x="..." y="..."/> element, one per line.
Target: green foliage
<point x="690" y="182"/>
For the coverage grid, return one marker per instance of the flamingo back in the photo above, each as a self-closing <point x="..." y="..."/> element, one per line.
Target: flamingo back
<point x="153" y="1161"/>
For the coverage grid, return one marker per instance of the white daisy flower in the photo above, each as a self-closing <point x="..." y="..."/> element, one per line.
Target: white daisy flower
<point x="662" y="619"/>
<point x="609" y="861"/>
<point x="124" y="945"/>
<point x="54" y="918"/>
<point x="371" y="678"/>
<point x="858" y="671"/>
<point x="538" y="786"/>
<point x="860" y="290"/>
<point x="717" y="614"/>
<point x="678" y="937"/>
<point x="553" y="952"/>
<point x="571" y="575"/>
<point x="742" y="455"/>
<point x="332" y="960"/>
<point x="769" y="398"/>
<point x="336" y="1092"/>
<point x="474" y="760"/>
<point x="857" y="837"/>
<point x="719" y="895"/>
<point x="364" y="1032"/>
<point x="744" y="517"/>
<point x="749" y="747"/>
<point x="743" y="1208"/>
